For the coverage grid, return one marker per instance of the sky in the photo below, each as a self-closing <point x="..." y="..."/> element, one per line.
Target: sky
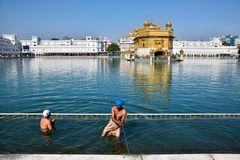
<point x="191" y="19"/>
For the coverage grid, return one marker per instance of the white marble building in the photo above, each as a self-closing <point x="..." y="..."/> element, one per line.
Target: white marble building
<point x="237" y="41"/>
<point x="126" y="44"/>
<point x="210" y="48"/>
<point x="9" y="45"/>
<point x="87" y="46"/>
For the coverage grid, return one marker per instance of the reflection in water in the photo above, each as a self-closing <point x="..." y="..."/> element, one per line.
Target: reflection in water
<point x="238" y="66"/>
<point x="12" y="68"/>
<point x="150" y="79"/>
<point x="90" y="85"/>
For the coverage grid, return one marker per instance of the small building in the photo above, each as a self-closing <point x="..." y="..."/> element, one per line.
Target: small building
<point x="237" y="41"/>
<point x="126" y="44"/>
<point x="230" y="39"/>
<point x="9" y="46"/>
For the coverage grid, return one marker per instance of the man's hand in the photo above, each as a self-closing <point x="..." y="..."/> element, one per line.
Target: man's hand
<point x="120" y="124"/>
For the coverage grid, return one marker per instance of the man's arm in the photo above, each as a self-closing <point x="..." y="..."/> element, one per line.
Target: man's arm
<point x="49" y="124"/>
<point x="113" y="117"/>
<point x="123" y="117"/>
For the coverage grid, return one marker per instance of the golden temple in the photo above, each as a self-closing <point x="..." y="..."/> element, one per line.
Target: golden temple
<point x="152" y="40"/>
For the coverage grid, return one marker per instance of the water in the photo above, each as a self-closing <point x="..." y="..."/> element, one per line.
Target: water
<point x="91" y="85"/>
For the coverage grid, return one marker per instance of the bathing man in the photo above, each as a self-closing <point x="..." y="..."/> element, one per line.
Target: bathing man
<point x="116" y="121"/>
<point x="46" y="124"/>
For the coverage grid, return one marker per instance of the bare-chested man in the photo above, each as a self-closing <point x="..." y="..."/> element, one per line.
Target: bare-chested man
<point x="46" y="124"/>
<point x="117" y="120"/>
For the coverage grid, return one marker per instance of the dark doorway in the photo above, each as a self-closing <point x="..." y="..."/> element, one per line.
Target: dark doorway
<point x="159" y="53"/>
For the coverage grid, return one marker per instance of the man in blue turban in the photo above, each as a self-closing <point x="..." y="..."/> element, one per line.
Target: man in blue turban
<point x="116" y="121"/>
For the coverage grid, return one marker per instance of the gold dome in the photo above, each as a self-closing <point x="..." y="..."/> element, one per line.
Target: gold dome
<point x="168" y="24"/>
<point x="146" y="22"/>
<point x="152" y="25"/>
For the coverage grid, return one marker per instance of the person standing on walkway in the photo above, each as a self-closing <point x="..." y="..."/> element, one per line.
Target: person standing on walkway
<point x="116" y="121"/>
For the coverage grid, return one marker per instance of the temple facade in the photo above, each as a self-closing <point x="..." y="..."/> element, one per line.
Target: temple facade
<point x="152" y="40"/>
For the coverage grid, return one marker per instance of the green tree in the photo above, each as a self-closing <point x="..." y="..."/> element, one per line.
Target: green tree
<point x="67" y="38"/>
<point x="113" y="48"/>
<point x="54" y="38"/>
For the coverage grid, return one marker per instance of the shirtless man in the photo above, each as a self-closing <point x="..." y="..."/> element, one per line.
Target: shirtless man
<point x="46" y="124"/>
<point x="117" y="120"/>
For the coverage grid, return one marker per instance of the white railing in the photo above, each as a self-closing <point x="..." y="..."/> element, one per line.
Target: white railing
<point x="129" y="115"/>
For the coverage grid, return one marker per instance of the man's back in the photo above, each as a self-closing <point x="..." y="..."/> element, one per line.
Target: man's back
<point x="45" y="124"/>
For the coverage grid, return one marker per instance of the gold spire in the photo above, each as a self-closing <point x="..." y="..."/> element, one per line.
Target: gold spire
<point x="159" y="24"/>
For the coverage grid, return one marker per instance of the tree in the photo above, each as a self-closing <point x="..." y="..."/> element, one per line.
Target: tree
<point x="67" y="38"/>
<point x="113" y="48"/>
<point x="239" y="49"/>
<point x="54" y="38"/>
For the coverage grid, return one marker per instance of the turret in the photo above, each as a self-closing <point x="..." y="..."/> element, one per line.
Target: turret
<point x="168" y="25"/>
<point x="146" y="24"/>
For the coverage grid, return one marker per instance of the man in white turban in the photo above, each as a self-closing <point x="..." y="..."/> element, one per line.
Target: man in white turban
<point x="46" y="124"/>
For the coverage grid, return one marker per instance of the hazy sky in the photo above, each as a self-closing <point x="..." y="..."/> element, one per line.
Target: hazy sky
<point x="191" y="19"/>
